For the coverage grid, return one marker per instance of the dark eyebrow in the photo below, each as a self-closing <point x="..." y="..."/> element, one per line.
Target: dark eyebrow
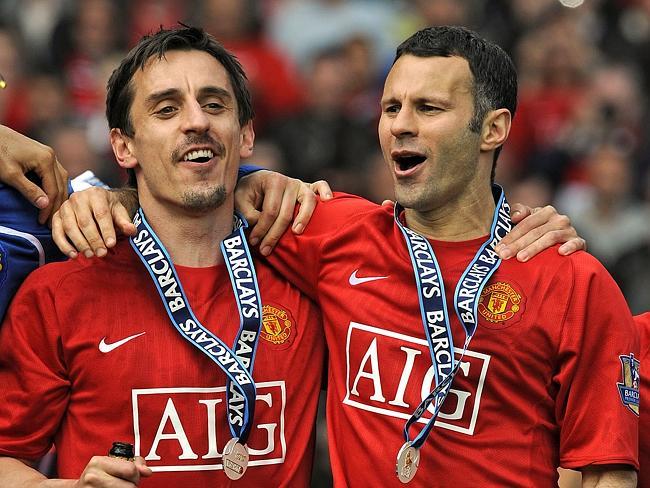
<point x="388" y="101"/>
<point x="420" y="100"/>
<point x="215" y="91"/>
<point x="156" y="97"/>
<point x="434" y="100"/>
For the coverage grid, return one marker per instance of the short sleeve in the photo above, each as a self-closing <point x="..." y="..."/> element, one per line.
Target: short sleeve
<point x="35" y="389"/>
<point x="597" y="401"/>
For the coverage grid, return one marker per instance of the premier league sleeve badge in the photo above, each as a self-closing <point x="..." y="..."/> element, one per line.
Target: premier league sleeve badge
<point x="628" y="389"/>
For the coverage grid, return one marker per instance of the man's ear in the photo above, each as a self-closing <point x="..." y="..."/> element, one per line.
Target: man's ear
<point x="246" y="140"/>
<point x="496" y="127"/>
<point x="122" y="148"/>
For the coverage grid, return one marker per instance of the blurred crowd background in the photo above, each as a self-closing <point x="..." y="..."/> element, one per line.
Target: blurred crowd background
<point x="581" y="135"/>
<point x="580" y="141"/>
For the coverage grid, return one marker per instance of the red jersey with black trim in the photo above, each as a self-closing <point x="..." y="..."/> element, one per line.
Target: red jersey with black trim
<point x="88" y="356"/>
<point x="643" y="323"/>
<point x="546" y="381"/>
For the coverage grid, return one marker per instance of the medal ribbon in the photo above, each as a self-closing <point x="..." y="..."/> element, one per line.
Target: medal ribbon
<point x="433" y="305"/>
<point x="237" y="364"/>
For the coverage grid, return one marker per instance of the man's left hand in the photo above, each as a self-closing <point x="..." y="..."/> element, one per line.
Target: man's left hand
<point x="18" y="156"/>
<point x="267" y="201"/>
<point x="537" y="229"/>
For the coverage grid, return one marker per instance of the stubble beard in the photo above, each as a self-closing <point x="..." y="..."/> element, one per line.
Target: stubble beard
<point x="201" y="201"/>
<point x="420" y="197"/>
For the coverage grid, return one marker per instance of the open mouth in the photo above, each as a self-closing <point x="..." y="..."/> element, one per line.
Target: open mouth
<point x="200" y="156"/>
<point x="406" y="162"/>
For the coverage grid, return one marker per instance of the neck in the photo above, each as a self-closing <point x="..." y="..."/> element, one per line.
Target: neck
<point x="191" y="238"/>
<point x="465" y="218"/>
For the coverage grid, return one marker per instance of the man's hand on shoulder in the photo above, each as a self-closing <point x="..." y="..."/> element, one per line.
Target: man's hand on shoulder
<point x="267" y="201"/>
<point x="88" y="219"/>
<point x="537" y="229"/>
<point x="18" y="156"/>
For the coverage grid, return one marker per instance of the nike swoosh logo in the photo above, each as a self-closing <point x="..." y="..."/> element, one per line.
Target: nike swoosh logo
<point x="355" y="280"/>
<point x="108" y="347"/>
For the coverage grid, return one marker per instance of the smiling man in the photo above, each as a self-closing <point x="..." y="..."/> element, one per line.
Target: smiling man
<point x="165" y="343"/>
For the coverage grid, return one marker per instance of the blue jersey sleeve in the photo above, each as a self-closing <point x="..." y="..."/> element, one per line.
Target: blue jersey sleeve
<point x="24" y="243"/>
<point x="247" y="169"/>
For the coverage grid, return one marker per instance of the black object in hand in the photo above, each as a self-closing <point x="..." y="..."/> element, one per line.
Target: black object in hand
<point x="122" y="450"/>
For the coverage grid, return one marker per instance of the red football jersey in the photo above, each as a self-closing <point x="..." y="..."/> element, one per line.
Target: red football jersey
<point x="538" y="388"/>
<point x="89" y="356"/>
<point x="643" y="322"/>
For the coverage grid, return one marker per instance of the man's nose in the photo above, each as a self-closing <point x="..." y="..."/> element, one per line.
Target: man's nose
<point x="404" y="123"/>
<point x="195" y="118"/>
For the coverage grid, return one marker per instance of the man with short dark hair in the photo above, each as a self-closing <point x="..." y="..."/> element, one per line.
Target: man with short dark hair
<point x="90" y="352"/>
<point x="550" y="377"/>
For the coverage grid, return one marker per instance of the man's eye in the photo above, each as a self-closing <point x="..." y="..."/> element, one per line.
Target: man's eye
<point x="213" y="106"/>
<point x="167" y="110"/>
<point x="429" y="108"/>
<point x="392" y="109"/>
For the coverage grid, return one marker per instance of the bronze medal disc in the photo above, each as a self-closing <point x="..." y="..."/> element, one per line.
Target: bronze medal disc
<point x="408" y="460"/>
<point x="235" y="459"/>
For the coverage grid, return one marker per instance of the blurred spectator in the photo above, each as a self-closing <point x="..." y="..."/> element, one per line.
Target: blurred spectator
<point x="611" y="111"/>
<point x="606" y="214"/>
<point x="553" y="61"/>
<point x="417" y="14"/>
<point x="632" y="270"/>
<point x="13" y="110"/>
<point x="96" y="125"/>
<point x="322" y="141"/>
<point x="274" y="82"/>
<point x="528" y="14"/>
<point x="364" y="84"/>
<point x="303" y="28"/>
<point x="533" y="191"/>
<point x="147" y="16"/>
<point x="443" y="12"/>
<point x="632" y="273"/>
<point x="76" y="155"/>
<point x="35" y="21"/>
<point x="267" y="155"/>
<point x="626" y="33"/>
<point x="47" y="102"/>
<point x="80" y="45"/>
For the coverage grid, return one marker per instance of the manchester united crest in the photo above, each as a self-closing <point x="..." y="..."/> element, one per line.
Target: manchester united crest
<point x="629" y="387"/>
<point x="278" y="326"/>
<point x="499" y="302"/>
